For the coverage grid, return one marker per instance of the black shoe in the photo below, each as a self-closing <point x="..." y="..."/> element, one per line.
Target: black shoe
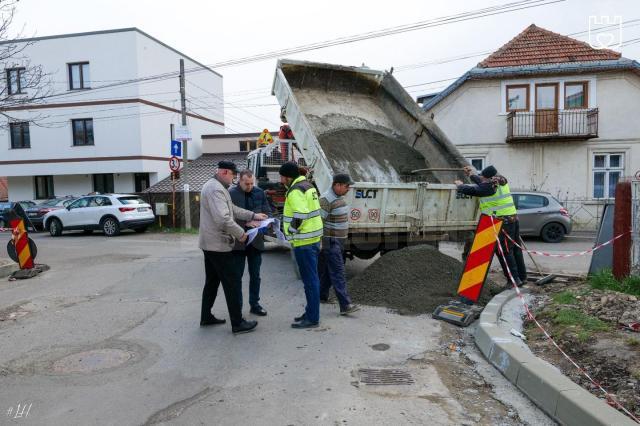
<point x="349" y="309"/>
<point x="323" y="300"/>
<point x="300" y="318"/>
<point x="258" y="310"/>
<point x="305" y="323"/>
<point x="212" y="321"/>
<point x="244" y="327"/>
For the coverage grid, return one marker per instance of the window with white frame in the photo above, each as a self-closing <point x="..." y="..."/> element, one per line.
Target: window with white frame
<point x="476" y="162"/>
<point x="608" y="168"/>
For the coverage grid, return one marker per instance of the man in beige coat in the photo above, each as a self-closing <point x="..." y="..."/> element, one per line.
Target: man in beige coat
<point x="218" y="233"/>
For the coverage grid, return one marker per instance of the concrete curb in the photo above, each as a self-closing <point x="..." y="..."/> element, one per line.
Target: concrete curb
<point x="559" y="397"/>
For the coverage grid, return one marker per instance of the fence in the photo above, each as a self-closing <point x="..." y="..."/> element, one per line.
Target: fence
<point x="635" y="227"/>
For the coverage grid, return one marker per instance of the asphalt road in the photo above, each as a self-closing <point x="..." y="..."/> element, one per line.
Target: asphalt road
<point x="110" y="335"/>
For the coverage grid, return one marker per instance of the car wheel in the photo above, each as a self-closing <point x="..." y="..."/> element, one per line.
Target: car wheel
<point x="110" y="227"/>
<point x="87" y="231"/>
<point x="141" y="230"/>
<point x="55" y="227"/>
<point x="553" y="232"/>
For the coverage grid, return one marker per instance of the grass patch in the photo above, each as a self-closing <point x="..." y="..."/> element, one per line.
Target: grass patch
<point x="632" y="341"/>
<point x="564" y="298"/>
<point x="583" y="324"/>
<point x="604" y="280"/>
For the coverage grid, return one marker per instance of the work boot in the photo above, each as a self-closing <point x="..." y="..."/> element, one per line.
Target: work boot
<point x="349" y="309"/>
<point x="300" y="318"/>
<point x="258" y="310"/>
<point x="212" y="321"/>
<point x="244" y="327"/>
<point x="305" y="323"/>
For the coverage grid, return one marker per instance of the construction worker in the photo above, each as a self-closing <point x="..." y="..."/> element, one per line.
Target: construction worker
<point x="495" y="199"/>
<point x="334" y="214"/>
<point x="303" y="228"/>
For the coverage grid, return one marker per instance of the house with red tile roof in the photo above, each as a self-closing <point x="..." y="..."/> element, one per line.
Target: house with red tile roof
<point x="552" y="114"/>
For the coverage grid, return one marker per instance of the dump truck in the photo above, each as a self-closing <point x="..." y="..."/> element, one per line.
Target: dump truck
<point x="360" y="121"/>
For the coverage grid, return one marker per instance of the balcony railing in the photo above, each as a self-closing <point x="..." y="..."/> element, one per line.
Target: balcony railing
<point x="548" y="125"/>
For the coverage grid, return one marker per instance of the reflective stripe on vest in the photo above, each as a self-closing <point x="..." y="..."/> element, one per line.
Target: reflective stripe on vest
<point x="304" y="236"/>
<point x="501" y="203"/>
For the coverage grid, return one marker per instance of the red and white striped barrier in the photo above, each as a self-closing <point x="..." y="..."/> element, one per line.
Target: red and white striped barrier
<point x="610" y="399"/>
<point x="580" y="253"/>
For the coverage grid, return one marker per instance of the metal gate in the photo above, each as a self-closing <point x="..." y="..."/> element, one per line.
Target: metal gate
<point x="635" y="226"/>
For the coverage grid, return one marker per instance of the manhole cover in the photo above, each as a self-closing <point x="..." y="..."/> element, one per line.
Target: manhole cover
<point x="370" y="376"/>
<point x="380" y="347"/>
<point x="94" y="360"/>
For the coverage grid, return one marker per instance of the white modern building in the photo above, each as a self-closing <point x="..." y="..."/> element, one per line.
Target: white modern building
<point x="105" y="124"/>
<point x="552" y="114"/>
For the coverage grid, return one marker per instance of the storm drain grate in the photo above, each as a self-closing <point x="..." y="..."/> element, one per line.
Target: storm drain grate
<point x="370" y="376"/>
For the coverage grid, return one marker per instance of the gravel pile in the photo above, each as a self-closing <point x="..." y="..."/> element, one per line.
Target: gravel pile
<point x="413" y="280"/>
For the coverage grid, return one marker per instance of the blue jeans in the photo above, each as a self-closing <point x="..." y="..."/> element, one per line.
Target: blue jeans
<point x="331" y="271"/>
<point x="254" y="260"/>
<point x="307" y="260"/>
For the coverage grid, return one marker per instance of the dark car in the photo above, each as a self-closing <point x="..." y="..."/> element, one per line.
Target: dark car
<point x="5" y="207"/>
<point x="37" y="212"/>
<point x="541" y="215"/>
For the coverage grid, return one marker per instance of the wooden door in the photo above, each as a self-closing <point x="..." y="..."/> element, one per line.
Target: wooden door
<point x="547" y="108"/>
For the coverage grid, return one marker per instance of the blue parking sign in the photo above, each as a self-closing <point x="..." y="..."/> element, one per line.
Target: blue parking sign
<point x="176" y="148"/>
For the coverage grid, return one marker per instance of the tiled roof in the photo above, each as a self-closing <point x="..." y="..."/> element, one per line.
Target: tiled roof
<point x="536" y="45"/>
<point x="200" y="171"/>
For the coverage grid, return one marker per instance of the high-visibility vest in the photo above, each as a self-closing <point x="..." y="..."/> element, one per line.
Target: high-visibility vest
<point x="302" y="203"/>
<point x="500" y="203"/>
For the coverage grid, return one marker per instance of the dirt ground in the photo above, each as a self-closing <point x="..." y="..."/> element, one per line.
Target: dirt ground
<point x="414" y="280"/>
<point x="586" y="324"/>
<point x="372" y="157"/>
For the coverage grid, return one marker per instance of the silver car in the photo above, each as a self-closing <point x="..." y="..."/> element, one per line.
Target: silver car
<point x="541" y="215"/>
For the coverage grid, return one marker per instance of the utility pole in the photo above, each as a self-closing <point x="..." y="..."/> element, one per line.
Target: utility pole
<point x="185" y="154"/>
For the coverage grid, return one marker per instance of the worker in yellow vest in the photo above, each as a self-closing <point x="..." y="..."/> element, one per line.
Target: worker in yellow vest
<point x="495" y="199"/>
<point x="303" y="228"/>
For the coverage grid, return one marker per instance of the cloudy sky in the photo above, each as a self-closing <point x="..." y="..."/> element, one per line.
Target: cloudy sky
<point x="212" y="32"/>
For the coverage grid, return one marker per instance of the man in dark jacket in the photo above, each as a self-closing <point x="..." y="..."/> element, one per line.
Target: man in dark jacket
<point x="495" y="199"/>
<point x="249" y="197"/>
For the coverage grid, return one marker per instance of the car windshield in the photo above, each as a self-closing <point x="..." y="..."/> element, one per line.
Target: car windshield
<point x="132" y="199"/>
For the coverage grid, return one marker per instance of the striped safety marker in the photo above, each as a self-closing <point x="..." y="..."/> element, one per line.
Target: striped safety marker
<point x="479" y="260"/>
<point x="21" y="243"/>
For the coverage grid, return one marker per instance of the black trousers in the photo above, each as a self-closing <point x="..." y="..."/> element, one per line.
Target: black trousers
<point x="512" y="253"/>
<point x="218" y="267"/>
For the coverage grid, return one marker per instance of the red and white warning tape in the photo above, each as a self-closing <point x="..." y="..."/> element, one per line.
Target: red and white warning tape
<point x="580" y="253"/>
<point x="610" y="399"/>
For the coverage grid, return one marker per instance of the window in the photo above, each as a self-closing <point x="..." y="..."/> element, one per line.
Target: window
<point x="99" y="202"/>
<point x="79" y="76"/>
<point x="529" y="201"/>
<point x="15" y="81"/>
<point x="44" y="187"/>
<point x="81" y="203"/>
<point x="82" y="131"/>
<point x="518" y="97"/>
<point x="249" y="145"/>
<point x="103" y="183"/>
<point x="141" y="181"/>
<point x="575" y="95"/>
<point x="20" y="135"/>
<point x="607" y="170"/>
<point x="476" y="162"/>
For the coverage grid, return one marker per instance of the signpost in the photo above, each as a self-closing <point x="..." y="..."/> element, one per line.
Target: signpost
<point x="176" y="148"/>
<point x="174" y="164"/>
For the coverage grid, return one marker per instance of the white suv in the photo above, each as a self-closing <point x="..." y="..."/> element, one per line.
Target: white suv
<point x="107" y="212"/>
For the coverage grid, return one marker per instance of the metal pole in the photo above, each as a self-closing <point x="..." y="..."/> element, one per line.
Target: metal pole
<point x="185" y="153"/>
<point x="173" y="185"/>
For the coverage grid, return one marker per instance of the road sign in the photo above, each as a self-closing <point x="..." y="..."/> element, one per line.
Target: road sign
<point x="176" y="148"/>
<point x="174" y="164"/>
<point x="183" y="133"/>
<point x="637" y="175"/>
<point x="265" y="138"/>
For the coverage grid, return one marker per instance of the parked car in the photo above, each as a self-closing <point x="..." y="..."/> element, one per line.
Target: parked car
<point x="109" y="213"/>
<point x="5" y="207"/>
<point x="541" y="215"/>
<point x="37" y="212"/>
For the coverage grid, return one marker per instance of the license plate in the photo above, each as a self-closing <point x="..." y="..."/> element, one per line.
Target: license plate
<point x="142" y="209"/>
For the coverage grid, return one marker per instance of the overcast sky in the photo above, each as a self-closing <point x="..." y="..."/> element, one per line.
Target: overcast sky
<point x="212" y="32"/>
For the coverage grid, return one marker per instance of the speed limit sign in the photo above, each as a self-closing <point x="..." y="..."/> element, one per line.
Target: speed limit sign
<point x="174" y="164"/>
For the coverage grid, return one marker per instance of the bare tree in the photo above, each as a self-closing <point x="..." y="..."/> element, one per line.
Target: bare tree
<point x="22" y="83"/>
